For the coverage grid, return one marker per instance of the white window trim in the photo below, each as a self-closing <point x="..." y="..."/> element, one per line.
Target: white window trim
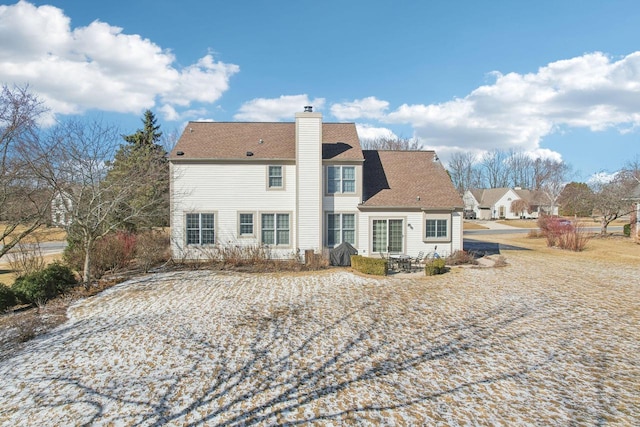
<point x="355" y="229"/>
<point x="274" y="188"/>
<point x="215" y="228"/>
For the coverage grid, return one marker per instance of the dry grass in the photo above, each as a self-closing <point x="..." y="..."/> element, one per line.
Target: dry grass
<point x="532" y="223"/>
<point x="468" y="225"/>
<point x="42" y="234"/>
<point x="614" y="248"/>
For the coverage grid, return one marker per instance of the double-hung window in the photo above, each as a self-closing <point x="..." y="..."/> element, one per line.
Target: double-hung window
<point x="275" y="177"/>
<point x="246" y="224"/>
<point x="275" y="229"/>
<point x="200" y="229"/>
<point x="341" y="179"/>
<point x="341" y="228"/>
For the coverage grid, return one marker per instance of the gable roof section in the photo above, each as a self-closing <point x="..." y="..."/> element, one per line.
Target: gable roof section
<point x="408" y="179"/>
<point x="534" y="197"/>
<point x="266" y="140"/>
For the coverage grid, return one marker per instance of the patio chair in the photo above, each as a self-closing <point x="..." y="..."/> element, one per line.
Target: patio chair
<point x="418" y="261"/>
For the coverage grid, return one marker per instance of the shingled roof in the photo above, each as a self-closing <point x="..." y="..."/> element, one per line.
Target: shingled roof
<point x="265" y="140"/>
<point x="407" y="179"/>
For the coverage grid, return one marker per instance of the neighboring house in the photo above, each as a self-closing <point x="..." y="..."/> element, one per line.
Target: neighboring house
<point x="306" y="185"/>
<point x="496" y="203"/>
<point x="60" y="208"/>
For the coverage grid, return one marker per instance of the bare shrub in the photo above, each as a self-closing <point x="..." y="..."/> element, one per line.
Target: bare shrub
<point x="501" y="261"/>
<point x="553" y="228"/>
<point x="575" y="239"/>
<point x="563" y="234"/>
<point x="152" y="248"/>
<point x="461" y="258"/>
<point x="533" y="234"/>
<point x="26" y="258"/>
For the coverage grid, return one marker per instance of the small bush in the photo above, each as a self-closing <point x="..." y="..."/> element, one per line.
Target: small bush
<point x="626" y="230"/>
<point x="434" y="267"/>
<point x="152" y="248"/>
<point x="501" y="261"/>
<point x="533" y="234"/>
<point x="366" y="265"/>
<point x="41" y="286"/>
<point x="7" y="297"/>
<point x="461" y="258"/>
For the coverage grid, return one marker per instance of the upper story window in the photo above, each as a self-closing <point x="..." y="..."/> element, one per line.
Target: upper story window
<point x="341" y="179"/>
<point x="275" y="177"/>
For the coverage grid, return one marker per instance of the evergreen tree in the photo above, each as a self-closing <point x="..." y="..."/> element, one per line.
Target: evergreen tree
<point x="143" y="156"/>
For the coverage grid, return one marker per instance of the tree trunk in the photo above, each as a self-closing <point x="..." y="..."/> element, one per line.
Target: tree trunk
<point x="86" y="273"/>
<point x="603" y="226"/>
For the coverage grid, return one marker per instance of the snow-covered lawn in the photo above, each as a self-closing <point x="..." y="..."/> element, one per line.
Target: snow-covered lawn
<point x="539" y="342"/>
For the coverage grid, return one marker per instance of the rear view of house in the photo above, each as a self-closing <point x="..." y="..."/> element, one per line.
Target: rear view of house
<point x="306" y="185"/>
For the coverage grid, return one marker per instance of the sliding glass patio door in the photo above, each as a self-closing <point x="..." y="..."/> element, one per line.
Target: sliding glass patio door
<point x="387" y="235"/>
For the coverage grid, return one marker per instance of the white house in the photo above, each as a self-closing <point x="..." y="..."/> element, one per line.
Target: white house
<point x="497" y="203"/>
<point x="306" y="185"/>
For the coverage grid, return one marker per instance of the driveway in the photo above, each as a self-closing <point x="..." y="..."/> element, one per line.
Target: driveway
<point x="542" y="341"/>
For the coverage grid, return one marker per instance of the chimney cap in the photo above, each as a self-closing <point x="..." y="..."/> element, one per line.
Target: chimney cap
<point x="308" y="108"/>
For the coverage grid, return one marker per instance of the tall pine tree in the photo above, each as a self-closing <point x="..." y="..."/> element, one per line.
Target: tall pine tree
<point x="142" y="156"/>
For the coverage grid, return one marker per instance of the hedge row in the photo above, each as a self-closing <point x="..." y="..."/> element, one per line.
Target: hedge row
<point x="366" y="265"/>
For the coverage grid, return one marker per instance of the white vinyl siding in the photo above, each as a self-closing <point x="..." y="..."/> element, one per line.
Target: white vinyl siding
<point x="341" y="228"/>
<point x="308" y="214"/>
<point x="200" y="228"/>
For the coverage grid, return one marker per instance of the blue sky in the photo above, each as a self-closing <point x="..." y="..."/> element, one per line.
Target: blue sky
<point x="557" y="79"/>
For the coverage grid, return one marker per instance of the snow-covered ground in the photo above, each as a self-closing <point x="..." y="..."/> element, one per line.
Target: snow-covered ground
<point x="539" y="342"/>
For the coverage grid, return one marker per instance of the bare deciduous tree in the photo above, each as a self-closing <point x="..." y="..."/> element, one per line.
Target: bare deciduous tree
<point x="610" y="200"/>
<point x="389" y="143"/>
<point x="24" y="200"/>
<point x="95" y="206"/>
<point x="463" y="172"/>
<point x="519" y="206"/>
<point x="494" y="168"/>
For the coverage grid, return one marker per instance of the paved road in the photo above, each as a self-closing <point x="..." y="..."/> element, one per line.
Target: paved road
<point x="46" y="248"/>
<point x="482" y="248"/>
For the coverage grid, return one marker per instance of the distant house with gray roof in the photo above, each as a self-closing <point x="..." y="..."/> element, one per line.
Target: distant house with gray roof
<point x="306" y="185"/>
<point x="501" y="203"/>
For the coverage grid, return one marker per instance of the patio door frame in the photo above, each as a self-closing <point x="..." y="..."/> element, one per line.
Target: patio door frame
<point x="387" y="234"/>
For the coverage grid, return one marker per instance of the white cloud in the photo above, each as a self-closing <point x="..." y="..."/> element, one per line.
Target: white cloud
<point x="276" y="109"/>
<point x="517" y="111"/>
<point x="98" y="66"/>
<point x="601" y="178"/>
<point x="366" y="108"/>
<point x="370" y="132"/>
